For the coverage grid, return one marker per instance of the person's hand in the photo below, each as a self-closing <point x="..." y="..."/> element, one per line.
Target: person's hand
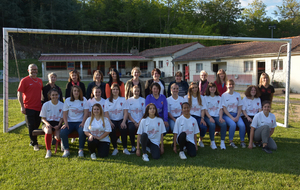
<point x="23" y="110"/>
<point x="65" y="126"/>
<point x="162" y="150"/>
<point x="138" y="152"/>
<point x="136" y="125"/>
<point x="91" y="138"/>
<point x="249" y="119"/>
<point x="112" y="125"/>
<point x="235" y="119"/>
<point x="166" y="123"/>
<point x="196" y="147"/>
<point x="56" y="127"/>
<point x="81" y="124"/>
<point x="123" y="125"/>
<point x="203" y="122"/>
<point x="250" y="145"/>
<point x="221" y="120"/>
<point x="48" y="126"/>
<point x="212" y="120"/>
<point x="175" y="148"/>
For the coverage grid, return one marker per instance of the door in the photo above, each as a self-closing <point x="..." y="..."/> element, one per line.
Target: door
<point x="260" y="69"/>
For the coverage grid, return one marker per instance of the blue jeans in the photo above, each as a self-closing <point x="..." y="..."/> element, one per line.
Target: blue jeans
<point x="171" y="124"/>
<point x="202" y="127"/>
<point x="212" y="128"/>
<point x="72" y="127"/>
<point x="232" y="126"/>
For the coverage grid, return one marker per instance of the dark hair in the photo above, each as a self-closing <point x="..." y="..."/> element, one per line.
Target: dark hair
<point x="111" y="79"/>
<point x="211" y="84"/>
<point x="157" y="70"/>
<point x="80" y="93"/>
<point x="248" y="91"/>
<point x="265" y="102"/>
<point x="184" y="104"/>
<point x="146" y="114"/>
<point x="111" y="95"/>
<point x="178" y="73"/>
<point x="155" y="84"/>
<point x="52" y="90"/>
<point x="221" y="71"/>
<point x="98" y="72"/>
<point x="74" y="72"/>
<point x="95" y="88"/>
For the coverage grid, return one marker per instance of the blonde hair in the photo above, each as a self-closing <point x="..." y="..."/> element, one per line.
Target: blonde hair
<point x="52" y="73"/>
<point x="203" y="71"/>
<point x="101" y="115"/>
<point x="190" y="94"/>
<point x="135" y="69"/>
<point x="260" y="79"/>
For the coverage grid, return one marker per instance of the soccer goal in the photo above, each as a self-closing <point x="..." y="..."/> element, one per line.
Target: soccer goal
<point x="189" y="67"/>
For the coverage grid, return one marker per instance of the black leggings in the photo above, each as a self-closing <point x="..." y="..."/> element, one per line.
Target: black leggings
<point x="102" y="147"/>
<point x="132" y="132"/>
<point x="33" y="122"/>
<point x="155" y="150"/>
<point x="248" y="125"/>
<point x="191" y="148"/>
<point x="113" y="134"/>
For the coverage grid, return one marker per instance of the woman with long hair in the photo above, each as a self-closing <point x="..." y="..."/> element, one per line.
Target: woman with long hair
<point x="97" y="81"/>
<point x="221" y="81"/>
<point x="96" y="98"/>
<point x="135" y="72"/>
<point x="74" y="79"/>
<point x="114" y="78"/>
<point x="266" y="90"/>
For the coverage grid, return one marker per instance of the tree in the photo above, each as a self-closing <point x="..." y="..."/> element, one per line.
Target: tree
<point x="257" y="10"/>
<point x="290" y="9"/>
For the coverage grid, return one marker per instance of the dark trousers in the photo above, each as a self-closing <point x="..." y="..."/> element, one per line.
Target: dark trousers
<point x="113" y="134"/>
<point x="248" y="125"/>
<point x="132" y="132"/>
<point x="102" y="147"/>
<point x="191" y="148"/>
<point x="33" y="120"/>
<point x="155" y="150"/>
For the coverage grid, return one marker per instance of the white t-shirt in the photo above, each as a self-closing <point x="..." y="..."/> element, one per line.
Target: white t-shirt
<point x="75" y="109"/>
<point x="251" y="106"/>
<point x="213" y="105"/>
<point x="136" y="108"/>
<point x="97" y="128"/>
<point x="187" y="125"/>
<point x="52" y="112"/>
<point x="174" y="106"/>
<point x="115" y="108"/>
<point x="195" y="107"/>
<point x="153" y="127"/>
<point x="93" y="101"/>
<point x="231" y="101"/>
<point x="260" y="120"/>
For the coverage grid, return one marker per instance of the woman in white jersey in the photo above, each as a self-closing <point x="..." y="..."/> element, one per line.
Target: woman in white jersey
<point x="150" y="134"/>
<point x="214" y="114"/>
<point x="116" y="110"/>
<point x="185" y="132"/>
<point x="96" y="98"/>
<point x="251" y="106"/>
<point x="197" y="109"/>
<point x="135" y="113"/>
<point x="232" y="107"/>
<point x="75" y="112"/>
<point x="97" y="128"/>
<point x="52" y="117"/>
<point x="262" y="128"/>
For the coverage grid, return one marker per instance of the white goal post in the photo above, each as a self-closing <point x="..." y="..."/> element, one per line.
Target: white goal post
<point x="6" y="32"/>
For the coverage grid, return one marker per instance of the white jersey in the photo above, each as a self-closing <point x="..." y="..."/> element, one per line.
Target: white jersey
<point x="213" y="105"/>
<point x="52" y="112"/>
<point x="153" y="127"/>
<point x="251" y="106"/>
<point x="116" y="108"/>
<point x="136" y="108"/>
<point x="93" y="101"/>
<point x="174" y="106"/>
<point x="97" y="128"/>
<point x="76" y="109"/>
<point x="187" y="125"/>
<point x="195" y="107"/>
<point x="260" y="120"/>
<point x="231" y="101"/>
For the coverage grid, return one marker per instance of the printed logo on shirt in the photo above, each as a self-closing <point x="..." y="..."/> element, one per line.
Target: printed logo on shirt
<point x="136" y="111"/>
<point x="258" y="103"/>
<point x="272" y="121"/>
<point x="181" y="103"/>
<point x="153" y="131"/>
<point x="233" y="106"/>
<point x="115" y="111"/>
<point x="253" y="111"/>
<point x="269" y="91"/>
<point x="195" y="109"/>
<point x="59" y="110"/>
<point x="121" y="103"/>
<point x="188" y="132"/>
<point x="81" y="104"/>
<point x="76" y="111"/>
<point x="176" y="111"/>
<point x="237" y="99"/>
<point x="142" y="104"/>
<point x="162" y="102"/>
<point x="103" y="106"/>
<point x="193" y="124"/>
<point x="158" y="123"/>
<point x="218" y="101"/>
<point x="263" y="90"/>
<point x="214" y="108"/>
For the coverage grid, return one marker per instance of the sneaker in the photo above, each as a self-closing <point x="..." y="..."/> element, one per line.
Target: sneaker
<point x="145" y="157"/>
<point x="80" y="153"/>
<point x="267" y="150"/>
<point x="125" y="151"/>
<point x="119" y="141"/>
<point x="133" y="150"/>
<point x="148" y="150"/>
<point x="48" y="154"/>
<point x="182" y="155"/>
<point x="93" y="156"/>
<point x="253" y="145"/>
<point x="213" y="145"/>
<point x="36" y="147"/>
<point x="66" y="154"/>
<point x="73" y="140"/>
<point x="184" y="149"/>
<point x="200" y="143"/>
<point x="115" y="152"/>
<point x="222" y="145"/>
<point x="243" y="145"/>
<point x="233" y="145"/>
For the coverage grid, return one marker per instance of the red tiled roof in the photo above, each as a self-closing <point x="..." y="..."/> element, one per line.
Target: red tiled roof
<point x="168" y="50"/>
<point x="238" y="50"/>
<point x="92" y="58"/>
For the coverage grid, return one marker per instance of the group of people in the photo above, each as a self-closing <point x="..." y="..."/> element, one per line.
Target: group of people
<point x="103" y="112"/>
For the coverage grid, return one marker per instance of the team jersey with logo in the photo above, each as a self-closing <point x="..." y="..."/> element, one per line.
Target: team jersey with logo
<point x="136" y="108"/>
<point x="93" y="101"/>
<point x="187" y="125"/>
<point x="260" y="120"/>
<point x="174" y="106"/>
<point x="97" y="128"/>
<point x="115" y="108"/>
<point x="231" y="101"/>
<point x="52" y="112"/>
<point x="251" y="106"/>
<point x="195" y="107"/>
<point x="213" y="105"/>
<point x="153" y="127"/>
<point x="76" y="109"/>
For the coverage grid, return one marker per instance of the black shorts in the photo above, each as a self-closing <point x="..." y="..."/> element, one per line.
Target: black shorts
<point x="52" y="123"/>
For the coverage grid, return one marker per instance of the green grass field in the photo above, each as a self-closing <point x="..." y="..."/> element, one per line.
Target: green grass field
<point x="22" y="168"/>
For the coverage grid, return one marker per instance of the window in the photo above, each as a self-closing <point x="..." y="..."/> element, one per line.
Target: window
<point x="160" y="64"/>
<point x="178" y="66"/>
<point x="199" y="67"/>
<point x="56" y="66"/>
<point x="143" y="65"/>
<point x="248" y="66"/>
<point x="277" y="66"/>
<point x="85" y="65"/>
<point x="121" y="64"/>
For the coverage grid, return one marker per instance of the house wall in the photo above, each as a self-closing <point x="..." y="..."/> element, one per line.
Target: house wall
<point x="167" y="65"/>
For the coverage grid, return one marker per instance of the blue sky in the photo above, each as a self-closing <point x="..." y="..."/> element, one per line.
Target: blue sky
<point x="271" y="5"/>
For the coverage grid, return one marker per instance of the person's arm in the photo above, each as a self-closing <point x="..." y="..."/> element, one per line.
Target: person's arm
<point x="65" y="118"/>
<point x="251" y="138"/>
<point x="209" y="117"/>
<point x="246" y="115"/>
<point x="138" y="150"/>
<point x="174" y="142"/>
<point x="107" y="115"/>
<point x="162" y="150"/>
<point x="20" y="99"/>
<point x="238" y="114"/>
<point x="44" y="120"/>
<point x="85" y="116"/>
<point x="107" y="90"/>
<point x="125" y="117"/>
<point x="58" y="126"/>
<point x="202" y="117"/>
<point x="227" y="113"/>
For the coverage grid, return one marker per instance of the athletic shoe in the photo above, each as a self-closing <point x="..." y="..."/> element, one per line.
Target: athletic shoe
<point x="48" y="154"/>
<point x="233" y="145"/>
<point x="73" y="140"/>
<point x="184" y="149"/>
<point x="145" y="157"/>
<point x="125" y="151"/>
<point x="93" y="156"/>
<point x="119" y="141"/>
<point x="267" y="150"/>
<point x="182" y="155"/>
<point x="200" y="143"/>
<point x="148" y="150"/>
<point x="253" y="145"/>
<point x="115" y="152"/>
<point x="36" y="147"/>
<point x="133" y="150"/>
<point x="243" y="145"/>
<point x="80" y="153"/>
<point x="213" y="145"/>
<point x="66" y="154"/>
<point x="222" y="145"/>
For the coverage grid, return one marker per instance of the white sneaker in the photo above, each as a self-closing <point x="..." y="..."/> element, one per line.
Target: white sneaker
<point x="115" y="152"/>
<point x="200" y="143"/>
<point x="73" y="140"/>
<point x="253" y="145"/>
<point x="148" y="150"/>
<point x="48" y="154"/>
<point x="184" y="149"/>
<point x="36" y="147"/>
<point x="125" y="151"/>
<point x="119" y="141"/>
<point x="145" y="157"/>
<point x="233" y="145"/>
<point x="80" y="153"/>
<point x="133" y="150"/>
<point x="66" y="154"/>
<point x="213" y="145"/>
<point x="93" y="156"/>
<point x="182" y="155"/>
<point x="222" y="145"/>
